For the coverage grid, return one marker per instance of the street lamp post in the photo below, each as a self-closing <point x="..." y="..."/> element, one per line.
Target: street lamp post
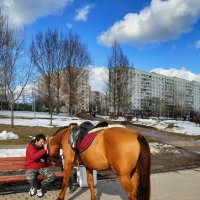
<point x="34" y="100"/>
<point x="189" y="111"/>
<point x="153" y="108"/>
<point x="160" y="106"/>
<point x="34" y="109"/>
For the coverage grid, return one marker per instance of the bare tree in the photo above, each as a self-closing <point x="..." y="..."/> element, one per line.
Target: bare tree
<point x="60" y="60"/>
<point x="77" y="60"/>
<point x="3" y="33"/>
<point x="119" y="81"/>
<point x="48" y="55"/>
<point x="15" y="71"/>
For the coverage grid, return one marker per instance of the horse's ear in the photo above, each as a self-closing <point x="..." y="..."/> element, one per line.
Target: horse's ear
<point x="48" y="137"/>
<point x="73" y="125"/>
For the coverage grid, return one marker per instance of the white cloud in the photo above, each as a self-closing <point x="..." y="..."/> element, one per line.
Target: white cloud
<point x="98" y="78"/>
<point x="197" y="44"/>
<point x="27" y="11"/>
<point x="82" y="13"/>
<point x="161" y="21"/>
<point x="28" y="90"/>
<point x="180" y="73"/>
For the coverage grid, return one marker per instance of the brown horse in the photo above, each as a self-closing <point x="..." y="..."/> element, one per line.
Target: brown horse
<point x="124" y="151"/>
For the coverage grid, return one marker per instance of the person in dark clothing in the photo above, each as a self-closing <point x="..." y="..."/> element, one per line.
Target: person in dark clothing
<point x="35" y="164"/>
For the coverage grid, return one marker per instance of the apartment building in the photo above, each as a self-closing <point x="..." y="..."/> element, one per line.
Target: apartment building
<point x="95" y="101"/>
<point x="83" y="90"/>
<point x="98" y="103"/>
<point x="81" y="99"/>
<point x="158" y="93"/>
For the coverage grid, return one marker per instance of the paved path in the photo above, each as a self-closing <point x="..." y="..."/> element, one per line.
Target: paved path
<point x="178" y="185"/>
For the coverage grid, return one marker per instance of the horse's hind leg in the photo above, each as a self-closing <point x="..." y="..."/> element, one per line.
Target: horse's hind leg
<point x="90" y="181"/>
<point x="126" y="183"/>
<point x="134" y="181"/>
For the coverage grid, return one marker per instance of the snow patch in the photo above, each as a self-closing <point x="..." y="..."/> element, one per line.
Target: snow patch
<point x="156" y="148"/>
<point x="12" y="153"/>
<point x="8" y="136"/>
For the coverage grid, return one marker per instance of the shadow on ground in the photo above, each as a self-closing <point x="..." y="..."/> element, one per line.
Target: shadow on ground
<point x="111" y="188"/>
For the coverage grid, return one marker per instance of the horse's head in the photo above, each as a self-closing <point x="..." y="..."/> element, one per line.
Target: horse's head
<point x="53" y="150"/>
<point x="56" y="142"/>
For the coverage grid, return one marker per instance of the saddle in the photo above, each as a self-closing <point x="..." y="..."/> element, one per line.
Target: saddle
<point x="79" y="133"/>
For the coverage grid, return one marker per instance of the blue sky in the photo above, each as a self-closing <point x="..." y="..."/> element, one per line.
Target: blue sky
<point x="156" y="35"/>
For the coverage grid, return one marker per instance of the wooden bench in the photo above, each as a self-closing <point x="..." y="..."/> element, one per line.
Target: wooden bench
<point x="12" y="171"/>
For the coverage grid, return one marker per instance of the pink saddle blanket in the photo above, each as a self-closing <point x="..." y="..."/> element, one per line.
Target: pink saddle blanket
<point x="87" y="141"/>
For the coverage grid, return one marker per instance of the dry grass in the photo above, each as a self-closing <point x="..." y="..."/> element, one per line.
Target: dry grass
<point x="24" y="133"/>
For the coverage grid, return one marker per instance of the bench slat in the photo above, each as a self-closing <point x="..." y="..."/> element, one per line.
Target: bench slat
<point x="12" y="167"/>
<point x="21" y="178"/>
<point x="8" y="162"/>
<point x="12" y="163"/>
<point x="17" y="164"/>
<point x="12" y="159"/>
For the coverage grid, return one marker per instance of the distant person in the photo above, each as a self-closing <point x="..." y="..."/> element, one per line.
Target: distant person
<point x="35" y="164"/>
<point x="94" y="114"/>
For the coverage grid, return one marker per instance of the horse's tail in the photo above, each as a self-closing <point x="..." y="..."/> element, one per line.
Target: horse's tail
<point x="143" y="169"/>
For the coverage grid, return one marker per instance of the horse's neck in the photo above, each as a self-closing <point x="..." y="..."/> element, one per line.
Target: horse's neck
<point x="65" y="139"/>
<point x="61" y="137"/>
<point x="58" y="138"/>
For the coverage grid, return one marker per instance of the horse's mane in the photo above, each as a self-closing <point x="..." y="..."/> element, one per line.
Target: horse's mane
<point x="64" y="127"/>
<point x="60" y="129"/>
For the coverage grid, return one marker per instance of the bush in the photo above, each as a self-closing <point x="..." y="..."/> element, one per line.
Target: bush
<point x="129" y="118"/>
<point x="113" y="116"/>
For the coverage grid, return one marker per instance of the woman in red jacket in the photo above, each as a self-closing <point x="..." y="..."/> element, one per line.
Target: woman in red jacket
<point x="35" y="164"/>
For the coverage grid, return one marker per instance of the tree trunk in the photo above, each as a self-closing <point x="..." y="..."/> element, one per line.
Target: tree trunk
<point x="12" y="114"/>
<point x="51" y="115"/>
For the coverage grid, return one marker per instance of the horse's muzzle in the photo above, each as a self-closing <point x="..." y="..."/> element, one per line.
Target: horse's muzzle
<point x="55" y="160"/>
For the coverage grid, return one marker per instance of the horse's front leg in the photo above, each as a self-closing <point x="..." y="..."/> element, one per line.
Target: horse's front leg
<point x="67" y="174"/>
<point x="90" y="182"/>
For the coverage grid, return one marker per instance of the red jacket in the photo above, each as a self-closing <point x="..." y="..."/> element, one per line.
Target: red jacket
<point x="35" y="158"/>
